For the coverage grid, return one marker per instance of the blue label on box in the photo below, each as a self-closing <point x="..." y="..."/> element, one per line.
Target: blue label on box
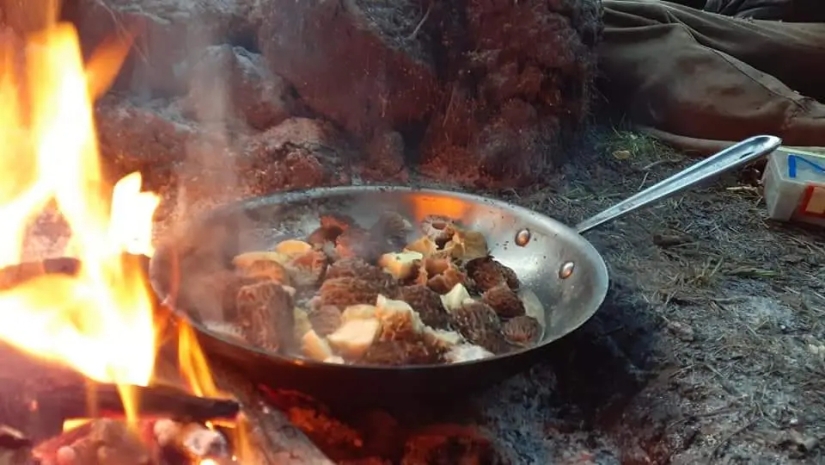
<point x="807" y="167"/>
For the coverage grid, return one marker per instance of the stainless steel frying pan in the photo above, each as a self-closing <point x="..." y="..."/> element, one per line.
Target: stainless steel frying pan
<point x="560" y="266"/>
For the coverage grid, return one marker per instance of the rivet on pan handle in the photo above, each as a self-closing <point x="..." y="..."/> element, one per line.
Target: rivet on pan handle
<point x="732" y="157"/>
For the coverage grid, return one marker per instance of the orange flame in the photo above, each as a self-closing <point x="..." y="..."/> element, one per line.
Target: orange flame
<point x="193" y="364"/>
<point x="100" y="321"/>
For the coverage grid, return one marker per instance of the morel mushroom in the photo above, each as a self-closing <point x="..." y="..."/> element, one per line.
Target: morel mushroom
<point x="479" y="324"/>
<point x="266" y="316"/>
<point x="522" y="331"/>
<point x="428" y="305"/>
<point x="504" y="301"/>
<point x="343" y="292"/>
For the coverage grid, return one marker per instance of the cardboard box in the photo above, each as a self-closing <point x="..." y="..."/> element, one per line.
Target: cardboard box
<point x="794" y="186"/>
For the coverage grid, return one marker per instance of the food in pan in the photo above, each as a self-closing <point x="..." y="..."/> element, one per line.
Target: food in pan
<point x="368" y="295"/>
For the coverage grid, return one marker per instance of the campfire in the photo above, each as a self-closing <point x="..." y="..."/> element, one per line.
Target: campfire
<point x="91" y="313"/>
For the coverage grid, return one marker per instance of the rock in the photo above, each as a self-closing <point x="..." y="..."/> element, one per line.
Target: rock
<point x="385" y="158"/>
<point x="149" y="138"/>
<point x="191" y="164"/>
<point x="519" y="84"/>
<point x="360" y="63"/>
<point x="297" y="154"/>
<point x="253" y="94"/>
<point x="169" y="30"/>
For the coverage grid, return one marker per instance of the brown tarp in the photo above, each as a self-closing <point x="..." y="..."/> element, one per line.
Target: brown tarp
<point x="700" y="80"/>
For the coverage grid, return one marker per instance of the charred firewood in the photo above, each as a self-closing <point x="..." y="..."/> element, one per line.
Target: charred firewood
<point x="100" y="442"/>
<point x="194" y="441"/>
<point x="154" y="401"/>
<point x="270" y="437"/>
<point x="14" y="275"/>
<point x="10" y="438"/>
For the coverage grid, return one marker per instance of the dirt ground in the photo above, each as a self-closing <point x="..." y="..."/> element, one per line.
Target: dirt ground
<point x="710" y="346"/>
<point x="708" y="349"/>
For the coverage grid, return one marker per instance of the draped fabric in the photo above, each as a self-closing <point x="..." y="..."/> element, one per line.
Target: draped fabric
<point x="701" y="80"/>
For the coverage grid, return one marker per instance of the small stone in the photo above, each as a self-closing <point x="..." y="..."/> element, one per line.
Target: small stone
<point x="621" y="154"/>
<point x="681" y="330"/>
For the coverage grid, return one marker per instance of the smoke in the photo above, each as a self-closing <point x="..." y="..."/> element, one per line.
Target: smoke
<point x="208" y="172"/>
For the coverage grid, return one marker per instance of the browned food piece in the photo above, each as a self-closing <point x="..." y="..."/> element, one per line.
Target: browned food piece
<point x="479" y="324"/>
<point x="417" y="275"/>
<point x="308" y="269"/>
<point x="442" y="283"/>
<point x="358" y="268"/>
<point x="210" y="295"/>
<point x="522" y="331"/>
<point x="343" y="292"/>
<point x="321" y="237"/>
<point x="333" y="221"/>
<point x="265" y="315"/>
<point x="438" y="228"/>
<point x="393" y="228"/>
<point x="510" y="276"/>
<point x="504" y="301"/>
<point x="352" y="268"/>
<point x="443" y="274"/>
<point x="332" y="226"/>
<point x="269" y="269"/>
<point x="487" y="273"/>
<point x="484" y="273"/>
<point x="428" y="305"/>
<point x="437" y="265"/>
<point x="472" y="244"/>
<point x="229" y="295"/>
<point x="325" y="319"/>
<point x="400" y="326"/>
<point x="401" y="352"/>
<point x="359" y="243"/>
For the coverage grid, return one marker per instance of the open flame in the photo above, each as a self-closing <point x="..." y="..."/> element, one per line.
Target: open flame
<point x="100" y="321"/>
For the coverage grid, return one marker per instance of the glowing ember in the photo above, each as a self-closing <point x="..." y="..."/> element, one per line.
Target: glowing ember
<point x="100" y="321"/>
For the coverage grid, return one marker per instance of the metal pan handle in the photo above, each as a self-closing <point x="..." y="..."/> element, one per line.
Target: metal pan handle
<point x="732" y="157"/>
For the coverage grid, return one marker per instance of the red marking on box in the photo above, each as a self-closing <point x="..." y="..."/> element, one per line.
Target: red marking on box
<point x="813" y="202"/>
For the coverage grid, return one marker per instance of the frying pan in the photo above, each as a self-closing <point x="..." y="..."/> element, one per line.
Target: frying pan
<point x="560" y="266"/>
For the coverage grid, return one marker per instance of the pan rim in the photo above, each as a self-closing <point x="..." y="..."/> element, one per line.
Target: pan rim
<point x="594" y="303"/>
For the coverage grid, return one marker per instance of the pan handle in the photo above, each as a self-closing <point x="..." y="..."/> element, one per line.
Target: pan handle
<point x="734" y="156"/>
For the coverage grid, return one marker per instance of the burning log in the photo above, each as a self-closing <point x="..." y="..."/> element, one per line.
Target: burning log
<point x="10" y="438"/>
<point x="192" y="440"/>
<point x="100" y="442"/>
<point x="14" y="275"/>
<point x="154" y="401"/>
<point x="270" y="438"/>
